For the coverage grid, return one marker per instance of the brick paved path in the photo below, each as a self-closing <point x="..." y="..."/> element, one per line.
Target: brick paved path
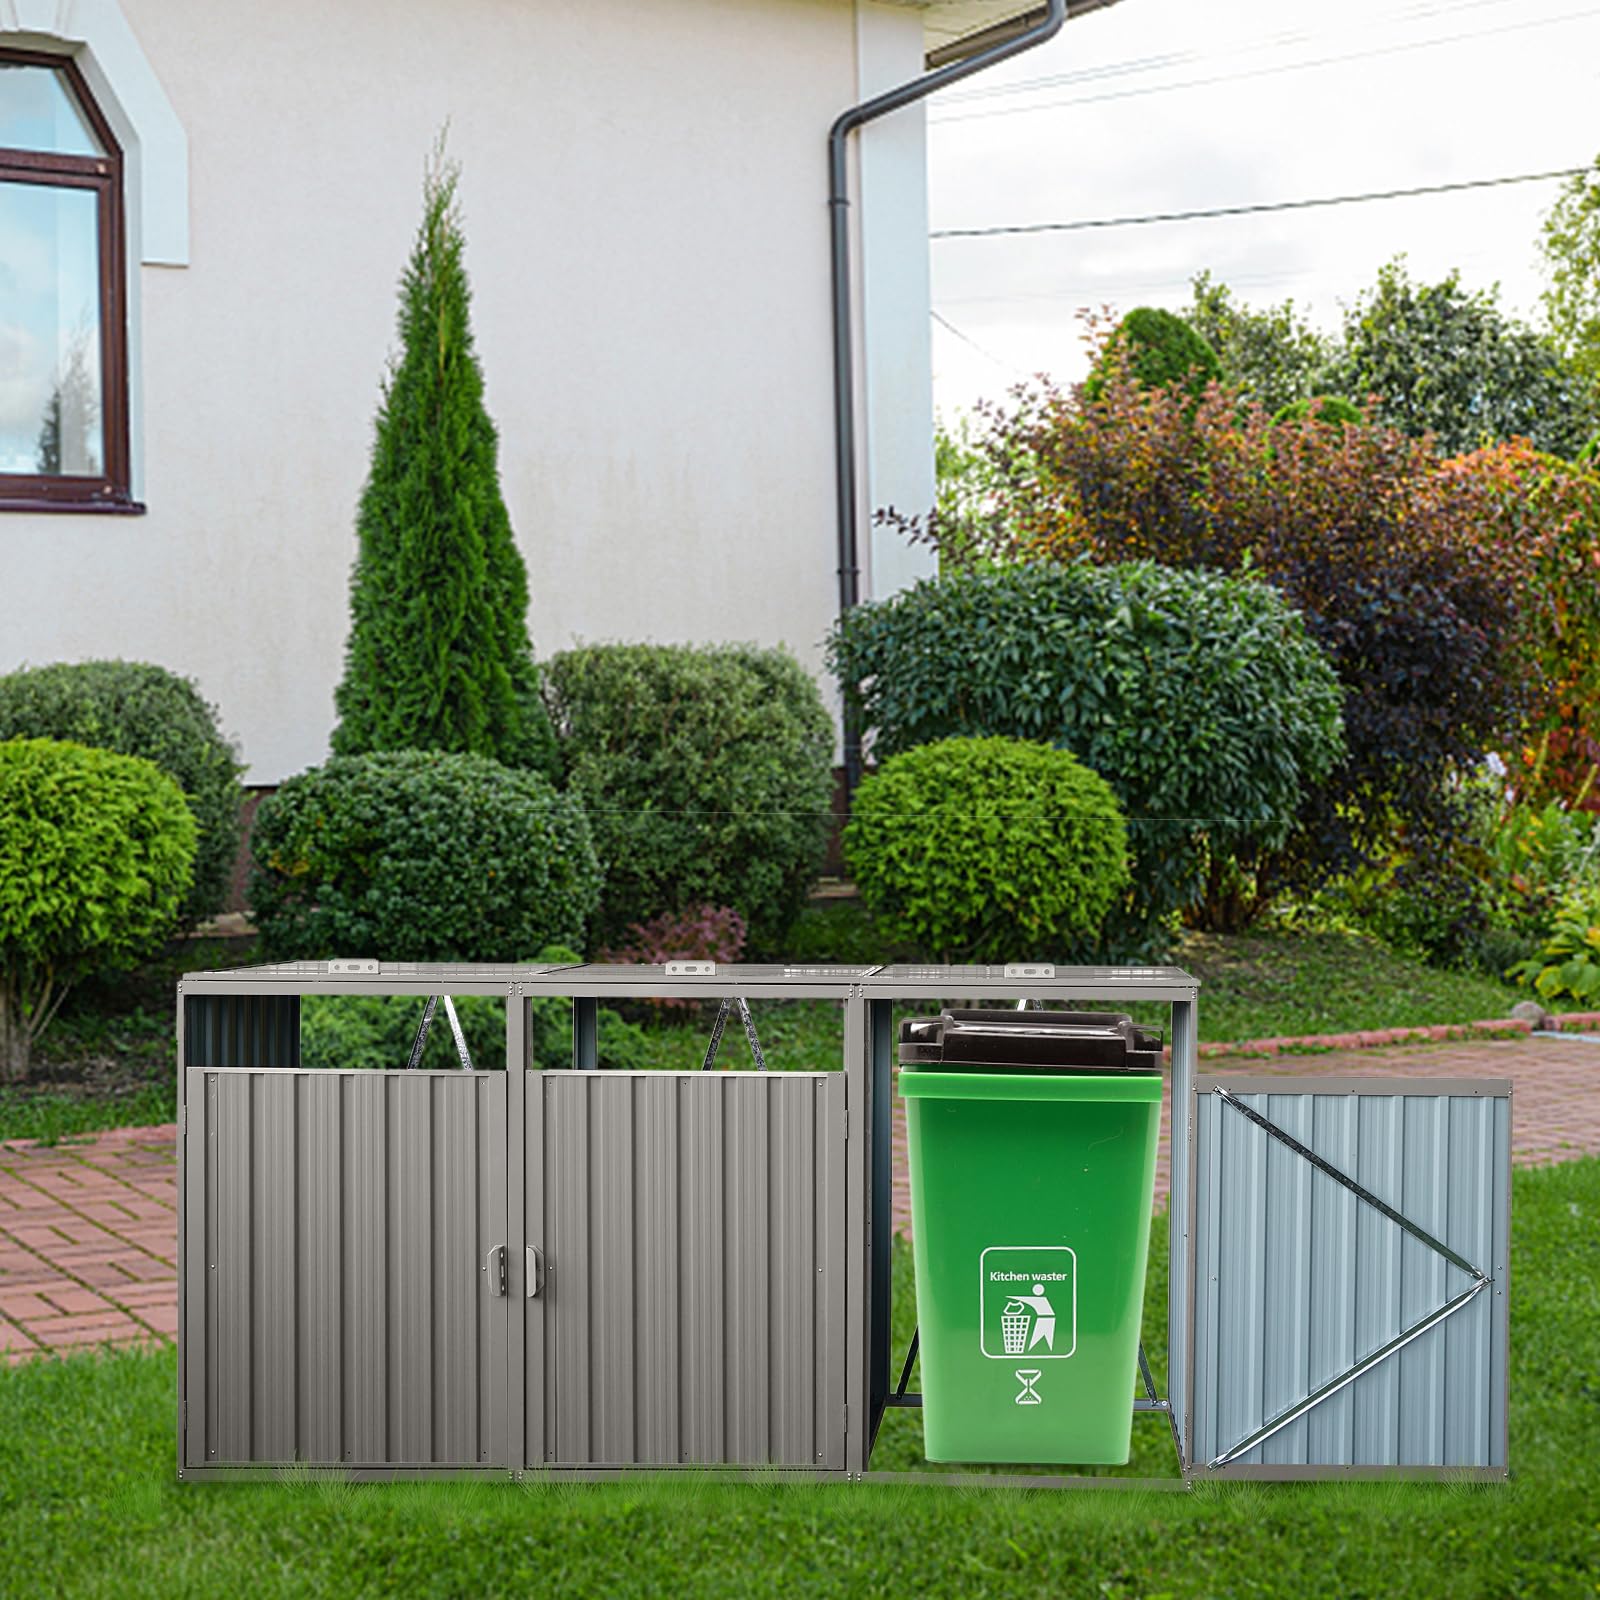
<point x="88" y="1231"/>
<point x="1555" y="1095"/>
<point x="88" y="1242"/>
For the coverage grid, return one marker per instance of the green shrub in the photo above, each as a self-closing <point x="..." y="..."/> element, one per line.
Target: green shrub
<point x="1156" y="349"/>
<point x="414" y="855"/>
<point x="137" y="709"/>
<point x="96" y="856"/>
<point x="620" y="1044"/>
<point x="1397" y="561"/>
<point x="375" y="1032"/>
<point x="842" y="932"/>
<point x="988" y="850"/>
<point x="707" y="776"/>
<point x="1539" y="856"/>
<point x="1329" y="408"/>
<point x="1199" y="698"/>
<point x="1569" y="962"/>
<point x="1433" y="904"/>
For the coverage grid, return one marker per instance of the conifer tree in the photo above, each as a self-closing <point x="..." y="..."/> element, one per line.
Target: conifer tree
<point x="438" y="656"/>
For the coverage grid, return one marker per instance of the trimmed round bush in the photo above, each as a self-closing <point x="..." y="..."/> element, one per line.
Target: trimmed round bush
<point x="137" y="709"/>
<point x="1198" y="697"/>
<point x="1333" y="409"/>
<point x="420" y="855"/>
<point x="96" y="858"/>
<point x="707" y="775"/>
<point x="988" y="850"/>
<point x="1156" y="349"/>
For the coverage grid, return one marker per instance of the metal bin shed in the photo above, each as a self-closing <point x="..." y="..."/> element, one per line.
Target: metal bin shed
<point x="577" y="1270"/>
<point x="539" y="1268"/>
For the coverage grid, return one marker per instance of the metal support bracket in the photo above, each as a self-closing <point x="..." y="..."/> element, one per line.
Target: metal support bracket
<point x="1480" y="1281"/>
<point x="717" y="1027"/>
<point x="420" y="1042"/>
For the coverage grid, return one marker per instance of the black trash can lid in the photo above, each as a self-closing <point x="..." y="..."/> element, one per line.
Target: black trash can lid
<point x="1031" y="1041"/>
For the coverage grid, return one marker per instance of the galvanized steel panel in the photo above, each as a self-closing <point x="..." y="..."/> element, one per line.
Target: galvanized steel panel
<point x="693" y="1304"/>
<point x="1298" y="1279"/>
<point x="346" y="1316"/>
<point x="242" y="1030"/>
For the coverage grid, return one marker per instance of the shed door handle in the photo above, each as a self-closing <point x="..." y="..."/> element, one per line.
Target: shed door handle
<point x="535" y="1273"/>
<point x="495" y="1268"/>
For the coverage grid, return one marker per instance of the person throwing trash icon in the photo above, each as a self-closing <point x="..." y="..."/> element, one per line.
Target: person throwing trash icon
<point x="1014" y="1320"/>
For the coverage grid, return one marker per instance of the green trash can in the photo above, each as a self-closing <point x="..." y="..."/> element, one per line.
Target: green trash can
<point x="1032" y="1146"/>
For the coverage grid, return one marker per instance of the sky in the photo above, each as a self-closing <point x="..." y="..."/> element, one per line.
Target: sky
<point x="1168" y="105"/>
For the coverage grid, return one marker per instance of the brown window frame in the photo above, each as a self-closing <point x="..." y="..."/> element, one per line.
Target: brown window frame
<point x="112" y="490"/>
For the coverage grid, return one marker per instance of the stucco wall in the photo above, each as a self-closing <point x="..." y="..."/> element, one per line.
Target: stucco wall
<point x="644" y="191"/>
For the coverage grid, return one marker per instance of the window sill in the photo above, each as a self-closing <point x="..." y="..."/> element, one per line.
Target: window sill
<point x="107" y="506"/>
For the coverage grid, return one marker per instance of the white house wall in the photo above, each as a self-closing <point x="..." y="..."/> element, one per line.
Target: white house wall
<point x="644" y="189"/>
<point x="895" y="339"/>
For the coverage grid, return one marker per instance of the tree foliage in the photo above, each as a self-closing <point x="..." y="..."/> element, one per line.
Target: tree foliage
<point x="1570" y="247"/>
<point x="438" y="656"/>
<point x="1155" y="348"/>
<point x="1548" y="512"/>
<point x="1333" y="410"/>
<point x="1364" y="529"/>
<point x="96" y="856"/>
<point x="1269" y="354"/>
<point x="1447" y="361"/>
<point x="1198" y="697"/>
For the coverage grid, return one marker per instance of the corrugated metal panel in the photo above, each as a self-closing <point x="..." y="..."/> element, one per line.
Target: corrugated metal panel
<point x="693" y="1308"/>
<point x="1298" y="1279"/>
<point x="346" y="1313"/>
<point x="242" y="1030"/>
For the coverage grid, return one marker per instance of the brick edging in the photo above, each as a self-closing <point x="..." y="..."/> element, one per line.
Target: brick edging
<point x="1373" y="1038"/>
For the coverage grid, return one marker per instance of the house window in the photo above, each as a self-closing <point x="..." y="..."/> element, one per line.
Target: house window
<point x="63" y="319"/>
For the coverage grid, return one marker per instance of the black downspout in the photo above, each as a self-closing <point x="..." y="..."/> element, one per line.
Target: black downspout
<point x="844" y="421"/>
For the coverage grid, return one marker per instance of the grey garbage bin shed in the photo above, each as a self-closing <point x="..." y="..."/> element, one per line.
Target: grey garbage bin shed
<point x="578" y="1271"/>
<point x="549" y="1267"/>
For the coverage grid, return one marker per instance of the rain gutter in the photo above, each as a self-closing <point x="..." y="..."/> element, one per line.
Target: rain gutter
<point x="1049" y="24"/>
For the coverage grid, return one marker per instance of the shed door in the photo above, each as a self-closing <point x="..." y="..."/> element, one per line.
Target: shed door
<point x="341" y="1308"/>
<point x="690" y="1230"/>
<point x="1350" y="1274"/>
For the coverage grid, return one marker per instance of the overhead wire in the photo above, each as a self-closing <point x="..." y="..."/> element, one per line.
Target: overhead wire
<point x="950" y="327"/>
<point x="1082" y="224"/>
<point x="1265" y="72"/>
<point x="1161" y="63"/>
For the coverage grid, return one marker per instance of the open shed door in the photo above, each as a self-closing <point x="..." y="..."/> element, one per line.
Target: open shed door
<point x="1349" y="1273"/>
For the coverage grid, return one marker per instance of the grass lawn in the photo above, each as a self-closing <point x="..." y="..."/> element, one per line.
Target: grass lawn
<point x="108" y="1061"/>
<point x="89" y="1505"/>
<point x="1286" y="984"/>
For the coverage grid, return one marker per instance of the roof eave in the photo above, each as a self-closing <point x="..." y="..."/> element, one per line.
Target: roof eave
<point x="970" y="44"/>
